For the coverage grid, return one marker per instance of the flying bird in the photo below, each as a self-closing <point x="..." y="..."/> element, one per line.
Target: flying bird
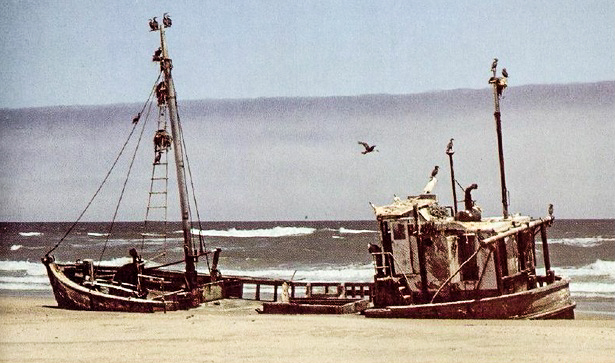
<point x="434" y="172"/>
<point x="504" y="72"/>
<point x="368" y="149"/>
<point x="153" y="24"/>
<point x="449" y="147"/>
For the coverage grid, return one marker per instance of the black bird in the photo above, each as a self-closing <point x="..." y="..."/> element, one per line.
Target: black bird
<point x="157" y="57"/>
<point x="449" y="147"/>
<point x="494" y="65"/>
<point x="504" y="72"/>
<point x="550" y="210"/>
<point x="166" y="20"/>
<point x="153" y="24"/>
<point x="434" y="172"/>
<point x="368" y="149"/>
<point x="136" y="119"/>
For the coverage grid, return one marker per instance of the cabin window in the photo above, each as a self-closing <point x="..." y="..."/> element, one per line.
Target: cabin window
<point x="466" y="249"/>
<point x="526" y="249"/>
<point x="399" y="231"/>
<point x="503" y="250"/>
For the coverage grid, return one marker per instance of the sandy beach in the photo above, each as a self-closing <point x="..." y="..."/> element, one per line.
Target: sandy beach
<point x="34" y="330"/>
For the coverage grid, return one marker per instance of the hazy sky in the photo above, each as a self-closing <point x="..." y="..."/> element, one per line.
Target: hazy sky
<point x="91" y="52"/>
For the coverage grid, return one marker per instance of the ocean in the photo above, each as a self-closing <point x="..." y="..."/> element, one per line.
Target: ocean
<point x="581" y="249"/>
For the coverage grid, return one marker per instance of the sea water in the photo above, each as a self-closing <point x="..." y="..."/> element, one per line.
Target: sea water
<point x="582" y="250"/>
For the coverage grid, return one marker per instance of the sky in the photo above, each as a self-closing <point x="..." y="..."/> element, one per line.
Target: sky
<point x="90" y="52"/>
<point x="57" y="53"/>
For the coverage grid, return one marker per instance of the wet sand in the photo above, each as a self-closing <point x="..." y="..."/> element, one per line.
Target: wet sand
<point x="34" y="330"/>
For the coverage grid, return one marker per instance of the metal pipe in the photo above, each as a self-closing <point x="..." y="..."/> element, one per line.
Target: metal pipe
<point x="498" y="126"/>
<point x="450" y="158"/>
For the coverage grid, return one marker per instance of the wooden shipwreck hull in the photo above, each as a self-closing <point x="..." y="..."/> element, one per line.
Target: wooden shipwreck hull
<point x="316" y="306"/>
<point x="548" y="302"/>
<point x="106" y="295"/>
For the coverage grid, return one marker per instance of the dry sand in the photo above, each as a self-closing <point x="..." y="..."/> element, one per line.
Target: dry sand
<point x="33" y="330"/>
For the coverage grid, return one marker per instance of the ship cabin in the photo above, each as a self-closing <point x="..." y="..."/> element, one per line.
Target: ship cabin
<point x="430" y="255"/>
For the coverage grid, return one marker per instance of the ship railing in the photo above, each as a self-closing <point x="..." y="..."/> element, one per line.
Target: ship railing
<point x="270" y="289"/>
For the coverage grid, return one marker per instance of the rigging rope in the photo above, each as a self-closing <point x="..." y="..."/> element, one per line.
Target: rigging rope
<point x="196" y="207"/>
<point x="70" y="229"/>
<point x="455" y="274"/>
<point x="134" y="155"/>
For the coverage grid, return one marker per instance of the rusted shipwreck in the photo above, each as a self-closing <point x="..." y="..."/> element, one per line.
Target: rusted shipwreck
<point x="431" y="264"/>
<point x="134" y="287"/>
<point x="440" y="262"/>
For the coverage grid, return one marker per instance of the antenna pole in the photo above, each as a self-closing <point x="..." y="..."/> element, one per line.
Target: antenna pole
<point x="450" y="159"/>
<point x="498" y="85"/>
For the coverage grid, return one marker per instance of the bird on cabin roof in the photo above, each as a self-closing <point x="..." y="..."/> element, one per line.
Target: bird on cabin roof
<point x="368" y="149"/>
<point x="434" y="172"/>
<point x="449" y="147"/>
<point x="504" y="72"/>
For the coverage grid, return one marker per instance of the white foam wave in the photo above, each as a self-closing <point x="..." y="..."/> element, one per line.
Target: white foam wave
<point x="16" y="247"/>
<point x="31" y="268"/>
<point x="582" y="241"/>
<point x="95" y="234"/>
<point x="22" y="287"/>
<point x="596" y="269"/>
<point x="41" y="280"/>
<point x="351" y="273"/>
<point x="355" y="231"/>
<point x="248" y="233"/>
<point x="30" y="234"/>
<point x="592" y="288"/>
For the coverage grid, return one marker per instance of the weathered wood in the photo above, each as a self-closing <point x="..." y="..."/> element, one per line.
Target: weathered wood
<point x="315" y="306"/>
<point x="552" y="301"/>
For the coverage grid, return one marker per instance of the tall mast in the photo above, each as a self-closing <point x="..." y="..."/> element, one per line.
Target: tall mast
<point x="166" y="66"/>
<point x="498" y="86"/>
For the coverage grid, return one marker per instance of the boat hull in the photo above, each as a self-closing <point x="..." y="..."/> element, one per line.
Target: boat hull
<point x="315" y="306"/>
<point x="72" y="295"/>
<point x="548" y="302"/>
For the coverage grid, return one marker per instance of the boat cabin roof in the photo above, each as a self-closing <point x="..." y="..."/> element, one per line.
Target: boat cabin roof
<point x="442" y="217"/>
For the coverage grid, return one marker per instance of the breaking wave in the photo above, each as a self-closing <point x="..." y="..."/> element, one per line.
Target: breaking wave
<point x="30" y="234"/>
<point x="582" y="241"/>
<point x="248" y="233"/>
<point x="343" y="230"/>
<point x="94" y="234"/>
<point x="596" y="280"/>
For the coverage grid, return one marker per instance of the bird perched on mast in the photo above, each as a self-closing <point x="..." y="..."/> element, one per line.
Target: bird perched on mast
<point x="449" y="147"/>
<point x="494" y="65"/>
<point x="153" y="24"/>
<point x="368" y="149"/>
<point x="166" y="20"/>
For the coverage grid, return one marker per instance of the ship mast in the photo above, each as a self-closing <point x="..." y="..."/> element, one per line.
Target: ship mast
<point x="166" y="66"/>
<point x="499" y="83"/>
